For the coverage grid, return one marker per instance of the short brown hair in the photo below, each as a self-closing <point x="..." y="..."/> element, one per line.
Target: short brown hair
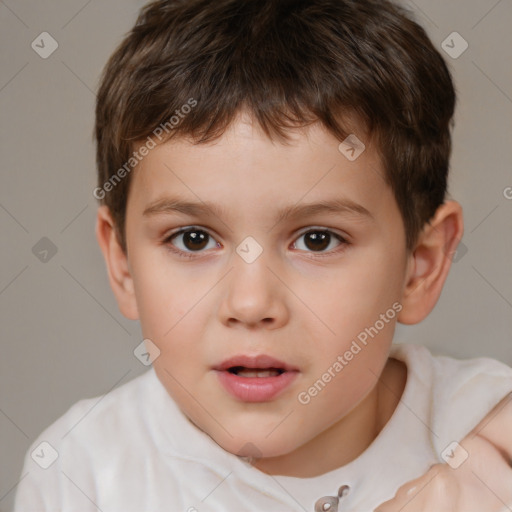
<point x="290" y="63"/>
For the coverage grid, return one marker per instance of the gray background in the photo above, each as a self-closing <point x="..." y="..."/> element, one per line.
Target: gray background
<point x="63" y="337"/>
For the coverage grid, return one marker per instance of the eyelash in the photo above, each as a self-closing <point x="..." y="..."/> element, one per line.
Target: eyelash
<point x="191" y="254"/>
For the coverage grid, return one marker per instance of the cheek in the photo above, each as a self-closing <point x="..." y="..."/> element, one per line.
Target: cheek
<point x="174" y="315"/>
<point x="354" y="298"/>
<point x="358" y="313"/>
<point x="164" y="294"/>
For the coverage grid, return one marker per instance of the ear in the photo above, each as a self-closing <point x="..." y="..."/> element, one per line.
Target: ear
<point x="118" y="268"/>
<point x="430" y="262"/>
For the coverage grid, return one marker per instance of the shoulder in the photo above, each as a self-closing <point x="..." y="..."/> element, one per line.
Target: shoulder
<point x="449" y="374"/>
<point x="461" y="392"/>
<point x="104" y="413"/>
<point x="84" y="441"/>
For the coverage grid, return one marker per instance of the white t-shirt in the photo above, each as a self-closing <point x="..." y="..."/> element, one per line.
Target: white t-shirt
<point x="133" y="450"/>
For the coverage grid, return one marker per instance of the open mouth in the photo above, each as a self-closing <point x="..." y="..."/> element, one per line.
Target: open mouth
<point x="242" y="371"/>
<point x="255" y="378"/>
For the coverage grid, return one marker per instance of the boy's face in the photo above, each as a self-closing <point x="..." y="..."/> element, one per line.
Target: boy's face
<point x="302" y="301"/>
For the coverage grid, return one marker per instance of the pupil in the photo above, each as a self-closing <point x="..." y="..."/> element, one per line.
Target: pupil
<point x="317" y="240"/>
<point x="195" y="239"/>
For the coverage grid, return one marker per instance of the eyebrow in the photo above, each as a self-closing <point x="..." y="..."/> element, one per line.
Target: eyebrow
<point x="337" y="206"/>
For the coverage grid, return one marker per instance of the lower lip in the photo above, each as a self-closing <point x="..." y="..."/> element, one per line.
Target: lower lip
<point x="256" y="389"/>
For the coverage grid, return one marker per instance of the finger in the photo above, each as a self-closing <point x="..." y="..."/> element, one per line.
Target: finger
<point x="406" y="492"/>
<point x="425" y="494"/>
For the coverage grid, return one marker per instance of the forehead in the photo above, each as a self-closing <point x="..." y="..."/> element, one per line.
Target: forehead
<point x="245" y="173"/>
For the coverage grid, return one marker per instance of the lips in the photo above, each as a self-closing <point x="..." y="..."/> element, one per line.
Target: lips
<point x="259" y="362"/>
<point x="255" y="378"/>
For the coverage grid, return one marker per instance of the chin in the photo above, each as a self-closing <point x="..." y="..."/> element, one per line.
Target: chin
<point x="256" y="445"/>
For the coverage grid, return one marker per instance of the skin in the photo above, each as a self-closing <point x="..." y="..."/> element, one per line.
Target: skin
<point x="296" y="303"/>
<point x="482" y="482"/>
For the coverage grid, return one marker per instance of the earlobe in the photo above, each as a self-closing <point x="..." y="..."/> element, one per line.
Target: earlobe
<point x="430" y="262"/>
<point x="119" y="273"/>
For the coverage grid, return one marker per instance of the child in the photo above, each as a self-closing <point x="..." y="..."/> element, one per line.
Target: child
<point x="303" y="148"/>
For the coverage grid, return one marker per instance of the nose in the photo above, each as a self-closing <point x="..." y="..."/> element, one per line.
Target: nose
<point x="254" y="296"/>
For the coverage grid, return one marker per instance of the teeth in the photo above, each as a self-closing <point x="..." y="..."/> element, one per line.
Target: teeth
<point x="258" y="373"/>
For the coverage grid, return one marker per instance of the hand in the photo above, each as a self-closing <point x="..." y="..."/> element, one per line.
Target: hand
<point x="482" y="483"/>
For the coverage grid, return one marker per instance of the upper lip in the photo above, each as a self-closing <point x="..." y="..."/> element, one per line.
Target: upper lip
<point x="261" y="361"/>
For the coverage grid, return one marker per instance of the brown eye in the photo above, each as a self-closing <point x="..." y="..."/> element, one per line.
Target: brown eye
<point x="319" y="240"/>
<point x="191" y="240"/>
<point x="195" y="240"/>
